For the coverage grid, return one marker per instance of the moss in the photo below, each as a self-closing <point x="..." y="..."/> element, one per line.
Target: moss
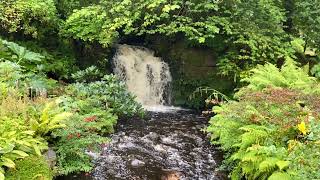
<point x="30" y="168"/>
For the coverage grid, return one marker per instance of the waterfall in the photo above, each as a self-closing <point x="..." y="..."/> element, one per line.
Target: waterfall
<point x="146" y="76"/>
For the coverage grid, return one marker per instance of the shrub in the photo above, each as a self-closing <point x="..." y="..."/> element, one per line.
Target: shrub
<point x="109" y="92"/>
<point x="95" y="106"/>
<point x="272" y="132"/>
<point x="25" y="128"/>
<point x="90" y="74"/>
<point x="84" y="132"/>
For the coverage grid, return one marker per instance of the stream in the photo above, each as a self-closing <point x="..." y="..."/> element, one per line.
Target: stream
<point x="169" y="143"/>
<point x="163" y="146"/>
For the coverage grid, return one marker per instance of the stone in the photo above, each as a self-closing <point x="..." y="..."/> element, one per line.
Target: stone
<point x="51" y="157"/>
<point x="137" y="163"/>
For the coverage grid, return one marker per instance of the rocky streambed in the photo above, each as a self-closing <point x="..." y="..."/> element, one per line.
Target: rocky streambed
<point x="164" y="146"/>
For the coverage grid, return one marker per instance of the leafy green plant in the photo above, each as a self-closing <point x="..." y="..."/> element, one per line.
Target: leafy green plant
<point x="94" y="105"/>
<point x="50" y="118"/>
<point x="21" y="54"/>
<point x="109" y="92"/>
<point x="20" y="135"/>
<point x="10" y="72"/>
<point x="84" y="132"/>
<point x="270" y="132"/>
<point x="29" y="17"/>
<point x="90" y="74"/>
<point x="16" y="142"/>
<point x="316" y="71"/>
<point x="289" y="76"/>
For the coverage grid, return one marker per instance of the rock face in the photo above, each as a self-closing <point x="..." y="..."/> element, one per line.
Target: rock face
<point x="191" y="67"/>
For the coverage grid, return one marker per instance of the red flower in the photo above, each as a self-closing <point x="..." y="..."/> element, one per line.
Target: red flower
<point x="78" y="135"/>
<point x="90" y="119"/>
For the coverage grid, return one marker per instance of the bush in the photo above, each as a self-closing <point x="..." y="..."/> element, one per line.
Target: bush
<point x="272" y="132"/>
<point x="84" y="132"/>
<point x="109" y="92"/>
<point x="32" y="167"/>
<point x="26" y="126"/>
<point x="95" y="106"/>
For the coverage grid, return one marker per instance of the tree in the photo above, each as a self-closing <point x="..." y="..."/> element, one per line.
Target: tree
<point x="30" y="17"/>
<point x="106" y="21"/>
<point x="306" y="19"/>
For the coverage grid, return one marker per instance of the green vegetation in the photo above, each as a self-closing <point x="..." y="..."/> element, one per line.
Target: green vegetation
<point x="75" y="120"/>
<point x="270" y="132"/>
<point x="57" y="89"/>
<point x="32" y="167"/>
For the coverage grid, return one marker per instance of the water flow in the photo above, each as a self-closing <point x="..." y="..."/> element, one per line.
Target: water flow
<point x="164" y="146"/>
<point x="146" y="76"/>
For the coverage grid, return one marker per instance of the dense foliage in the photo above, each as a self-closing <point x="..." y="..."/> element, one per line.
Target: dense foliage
<point x="96" y="107"/>
<point x="243" y="33"/>
<point x="74" y="124"/>
<point x="272" y="128"/>
<point x="51" y="94"/>
<point x="32" y="167"/>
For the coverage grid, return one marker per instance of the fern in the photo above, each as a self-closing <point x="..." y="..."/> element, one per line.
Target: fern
<point x="212" y="94"/>
<point x="51" y="118"/>
<point x="259" y="162"/>
<point x="289" y="76"/>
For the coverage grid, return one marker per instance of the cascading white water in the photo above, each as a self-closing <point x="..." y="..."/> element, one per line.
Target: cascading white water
<point x="147" y="76"/>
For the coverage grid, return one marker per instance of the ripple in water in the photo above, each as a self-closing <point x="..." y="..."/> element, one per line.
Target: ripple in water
<point x="166" y="146"/>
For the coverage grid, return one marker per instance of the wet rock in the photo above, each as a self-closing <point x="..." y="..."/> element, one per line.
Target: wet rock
<point x="51" y="157"/>
<point x="137" y="163"/>
<point x="126" y="145"/>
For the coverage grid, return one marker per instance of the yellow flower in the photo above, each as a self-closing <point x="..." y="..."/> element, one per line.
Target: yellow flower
<point x="302" y="128"/>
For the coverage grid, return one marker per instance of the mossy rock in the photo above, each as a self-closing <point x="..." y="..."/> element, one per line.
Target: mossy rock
<point x="30" y="168"/>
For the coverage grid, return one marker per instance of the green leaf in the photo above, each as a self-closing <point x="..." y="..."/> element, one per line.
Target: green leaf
<point x="283" y="164"/>
<point x="279" y="176"/>
<point x="37" y="150"/>
<point x="7" y="162"/>
<point x="20" y="153"/>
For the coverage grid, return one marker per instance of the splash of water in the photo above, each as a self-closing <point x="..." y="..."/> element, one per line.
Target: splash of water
<point x="147" y="76"/>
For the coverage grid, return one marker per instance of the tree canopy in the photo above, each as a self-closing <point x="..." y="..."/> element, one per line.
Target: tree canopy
<point x="249" y="32"/>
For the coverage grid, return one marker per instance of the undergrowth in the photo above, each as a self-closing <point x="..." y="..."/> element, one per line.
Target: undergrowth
<point x="272" y="131"/>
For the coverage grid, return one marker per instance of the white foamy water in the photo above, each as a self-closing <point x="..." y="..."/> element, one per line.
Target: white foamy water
<point x="162" y="108"/>
<point x="146" y="76"/>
